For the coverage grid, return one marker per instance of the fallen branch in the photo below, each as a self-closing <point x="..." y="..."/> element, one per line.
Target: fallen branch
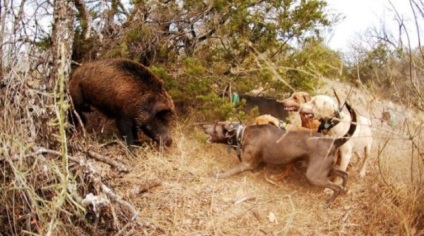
<point x="115" y="198"/>
<point x="243" y="199"/>
<point x="141" y="189"/>
<point x="115" y="164"/>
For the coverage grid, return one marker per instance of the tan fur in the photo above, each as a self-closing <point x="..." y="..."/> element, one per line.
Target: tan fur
<point x="268" y="119"/>
<point x="294" y="102"/>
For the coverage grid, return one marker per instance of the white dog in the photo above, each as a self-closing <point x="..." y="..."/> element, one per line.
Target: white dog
<point x="323" y="107"/>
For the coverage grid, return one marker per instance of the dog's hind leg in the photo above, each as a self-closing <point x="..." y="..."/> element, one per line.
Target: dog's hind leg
<point x="342" y="174"/>
<point x="367" y="152"/>
<point x="319" y="177"/>
<point x="346" y="155"/>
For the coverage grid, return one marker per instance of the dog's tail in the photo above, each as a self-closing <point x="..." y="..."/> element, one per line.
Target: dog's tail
<point x="340" y="141"/>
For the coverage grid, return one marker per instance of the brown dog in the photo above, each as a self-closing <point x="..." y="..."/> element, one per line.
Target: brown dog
<point x="268" y="119"/>
<point x="257" y="143"/>
<point x="294" y="102"/>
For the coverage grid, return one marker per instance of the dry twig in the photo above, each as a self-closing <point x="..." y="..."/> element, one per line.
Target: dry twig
<point x="115" y="164"/>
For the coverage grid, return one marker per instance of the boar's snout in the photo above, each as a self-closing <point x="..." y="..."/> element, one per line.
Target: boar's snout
<point x="164" y="139"/>
<point x="167" y="140"/>
<point x="159" y="134"/>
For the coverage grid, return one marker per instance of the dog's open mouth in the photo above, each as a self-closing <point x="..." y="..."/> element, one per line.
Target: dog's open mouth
<point x="307" y="115"/>
<point x="210" y="140"/>
<point x="291" y="108"/>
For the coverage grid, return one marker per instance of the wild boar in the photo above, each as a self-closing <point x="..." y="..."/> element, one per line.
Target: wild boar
<point x="128" y="92"/>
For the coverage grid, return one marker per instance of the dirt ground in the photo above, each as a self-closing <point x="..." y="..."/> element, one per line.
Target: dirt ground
<point x="189" y="200"/>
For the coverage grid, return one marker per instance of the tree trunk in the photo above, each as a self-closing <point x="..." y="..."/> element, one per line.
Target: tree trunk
<point x="62" y="40"/>
<point x="2" y="24"/>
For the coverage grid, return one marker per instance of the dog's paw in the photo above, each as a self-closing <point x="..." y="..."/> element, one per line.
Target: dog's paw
<point x="328" y="191"/>
<point x="217" y="174"/>
<point x="346" y="190"/>
<point x="272" y="180"/>
<point x="214" y="173"/>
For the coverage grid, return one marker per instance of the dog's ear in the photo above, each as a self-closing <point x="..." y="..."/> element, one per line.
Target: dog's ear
<point x="306" y="97"/>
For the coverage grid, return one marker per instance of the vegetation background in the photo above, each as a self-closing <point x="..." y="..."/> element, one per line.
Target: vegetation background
<point x="56" y="180"/>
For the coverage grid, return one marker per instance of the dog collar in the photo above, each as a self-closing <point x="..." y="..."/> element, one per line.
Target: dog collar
<point x="236" y="140"/>
<point x="327" y="124"/>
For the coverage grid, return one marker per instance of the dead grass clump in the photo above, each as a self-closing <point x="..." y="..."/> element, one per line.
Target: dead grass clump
<point x="45" y="188"/>
<point x="34" y="186"/>
<point x="398" y="207"/>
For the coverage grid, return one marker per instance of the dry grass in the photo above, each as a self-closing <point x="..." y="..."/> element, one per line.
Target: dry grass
<point x="189" y="200"/>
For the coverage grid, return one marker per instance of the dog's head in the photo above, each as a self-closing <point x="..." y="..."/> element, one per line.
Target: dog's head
<point x="324" y="109"/>
<point x="293" y="102"/>
<point x="320" y="107"/>
<point x="220" y="132"/>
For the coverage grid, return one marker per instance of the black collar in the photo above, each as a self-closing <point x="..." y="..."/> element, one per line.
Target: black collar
<point x="235" y="141"/>
<point x="328" y="123"/>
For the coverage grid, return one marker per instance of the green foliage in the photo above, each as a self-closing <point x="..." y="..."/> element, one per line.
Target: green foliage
<point x="215" y="108"/>
<point x="274" y="45"/>
<point x="313" y="60"/>
<point x="84" y="49"/>
<point x="371" y="64"/>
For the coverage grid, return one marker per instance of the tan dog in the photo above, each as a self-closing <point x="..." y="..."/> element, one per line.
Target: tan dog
<point x="268" y="119"/>
<point x="323" y="107"/>
<point x="293" y="104"/>
<point x="257" y="143"/>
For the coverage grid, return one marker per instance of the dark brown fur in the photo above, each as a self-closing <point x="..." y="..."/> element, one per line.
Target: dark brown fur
<point x="126" y="91"/>
<point x="269" y="144"/>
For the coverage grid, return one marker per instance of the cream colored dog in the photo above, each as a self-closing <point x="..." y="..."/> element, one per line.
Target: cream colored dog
<point x="324" y="108"/>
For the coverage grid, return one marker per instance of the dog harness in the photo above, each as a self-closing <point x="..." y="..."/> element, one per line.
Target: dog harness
<point x="235" y="140"/>
<point x="329" y="123"/>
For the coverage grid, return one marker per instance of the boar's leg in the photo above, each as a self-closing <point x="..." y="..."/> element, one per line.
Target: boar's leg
<point x="79" y="110"/>
<point x="127" y="129"/>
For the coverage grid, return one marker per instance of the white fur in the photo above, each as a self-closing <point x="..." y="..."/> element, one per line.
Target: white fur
<point x="323" y="106"/>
